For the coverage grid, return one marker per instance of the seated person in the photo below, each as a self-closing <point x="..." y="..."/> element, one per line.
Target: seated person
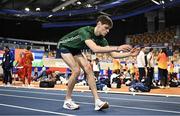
<point x="35" y="72"/>
<point x="48" y="74"/>
<point x="143" y="86"/>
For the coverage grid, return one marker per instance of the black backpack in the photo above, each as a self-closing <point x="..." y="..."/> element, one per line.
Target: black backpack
<point x="47" y="84"/>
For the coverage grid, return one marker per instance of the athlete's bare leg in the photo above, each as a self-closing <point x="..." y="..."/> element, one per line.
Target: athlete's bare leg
<point x="75" y="68"/>
<point x="85" y="65"/>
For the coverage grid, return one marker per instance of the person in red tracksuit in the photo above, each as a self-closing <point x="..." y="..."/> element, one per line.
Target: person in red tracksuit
<point x="28" y="64"/>
<point x="20" y="66"/>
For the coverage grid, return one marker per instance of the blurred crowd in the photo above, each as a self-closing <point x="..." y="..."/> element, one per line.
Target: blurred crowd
<point x="165" y="36"/>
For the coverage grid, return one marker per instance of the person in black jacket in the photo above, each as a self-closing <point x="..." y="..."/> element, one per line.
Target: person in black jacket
<point x="7" y="65"/>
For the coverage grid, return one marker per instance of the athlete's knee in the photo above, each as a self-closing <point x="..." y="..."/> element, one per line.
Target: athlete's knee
<point x="76" y="71"/>
<point x="88" y="69"/>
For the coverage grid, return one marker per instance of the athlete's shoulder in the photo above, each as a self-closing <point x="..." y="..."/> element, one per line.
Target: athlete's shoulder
<point x="87" y="28"/>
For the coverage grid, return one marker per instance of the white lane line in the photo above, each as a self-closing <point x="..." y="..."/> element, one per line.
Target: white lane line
<point x="117" y="106"/>
<point x="149" y="109"/>
<point x="116" y="92"/>
<point x="37" y="110"/>
<point x="111" y="98"/>
<point x="143" y="93"/>
<point x="29" y="91"/>
<point x="39" y="98"/>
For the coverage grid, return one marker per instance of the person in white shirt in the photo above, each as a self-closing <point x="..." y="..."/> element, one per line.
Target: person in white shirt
<point x="141" y="63"/>
<point x="150" y="66"/>
<point x="96" y="67"/>
<point x="115" y="74"/>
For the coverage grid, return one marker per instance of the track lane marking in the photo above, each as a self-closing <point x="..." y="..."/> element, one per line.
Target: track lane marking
<point x="151" y="101"/>
<point x="117" y="106"/>
<point x="37" y="110"/>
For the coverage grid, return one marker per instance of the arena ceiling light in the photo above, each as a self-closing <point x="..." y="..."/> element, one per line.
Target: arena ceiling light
<point x="38" y="9"/>
<point x="79" y="3"/>
<point x="50" y="16"/>
<point x="27" y="9"/>
<point x="63" y="8"/>
<point x="162" y="2"/>
<point x="64" y="5"/>
<point x="155" y="2"/>
<point x="104" y="13"/>
<point x="88" y="5"/>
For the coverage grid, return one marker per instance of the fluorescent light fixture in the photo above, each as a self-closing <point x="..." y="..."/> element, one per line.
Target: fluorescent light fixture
<point x="50" y="16"/>
<point x="89" y="5"/>
<point x="63" y="5"/>
<point x="78" y="2"/>
<point x="162" y="2"/>
<point x="155" y="2"/>
<point x="104" y="13"/>
<point x="63" y="8"/>
<point x="38" y="9"/>
<point x="27" y="9"/>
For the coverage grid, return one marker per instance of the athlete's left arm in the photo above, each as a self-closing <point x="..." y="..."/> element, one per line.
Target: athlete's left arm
<point x="133" y="52"/>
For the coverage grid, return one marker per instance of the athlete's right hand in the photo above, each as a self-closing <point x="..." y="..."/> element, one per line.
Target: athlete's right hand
<point x="125" y="48"/>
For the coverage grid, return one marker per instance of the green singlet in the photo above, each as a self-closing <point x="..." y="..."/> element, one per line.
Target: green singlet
<point x="76" y="39"/>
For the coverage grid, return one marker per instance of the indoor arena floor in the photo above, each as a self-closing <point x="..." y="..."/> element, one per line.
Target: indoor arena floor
<point x="31" y="101"/>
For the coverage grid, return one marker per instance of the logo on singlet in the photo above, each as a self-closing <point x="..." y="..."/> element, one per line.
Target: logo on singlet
<point x="69" y="39"/>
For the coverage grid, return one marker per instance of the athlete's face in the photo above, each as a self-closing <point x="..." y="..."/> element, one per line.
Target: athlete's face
<point x="103" y="29"/>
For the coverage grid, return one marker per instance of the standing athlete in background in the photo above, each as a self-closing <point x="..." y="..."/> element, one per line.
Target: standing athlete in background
<point x="28" y="64"/>
<point x="70" y="47"/>
<point x="7" y="65"/>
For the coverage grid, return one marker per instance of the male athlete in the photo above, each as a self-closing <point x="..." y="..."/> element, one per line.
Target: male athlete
<point x="70" y="47"/>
